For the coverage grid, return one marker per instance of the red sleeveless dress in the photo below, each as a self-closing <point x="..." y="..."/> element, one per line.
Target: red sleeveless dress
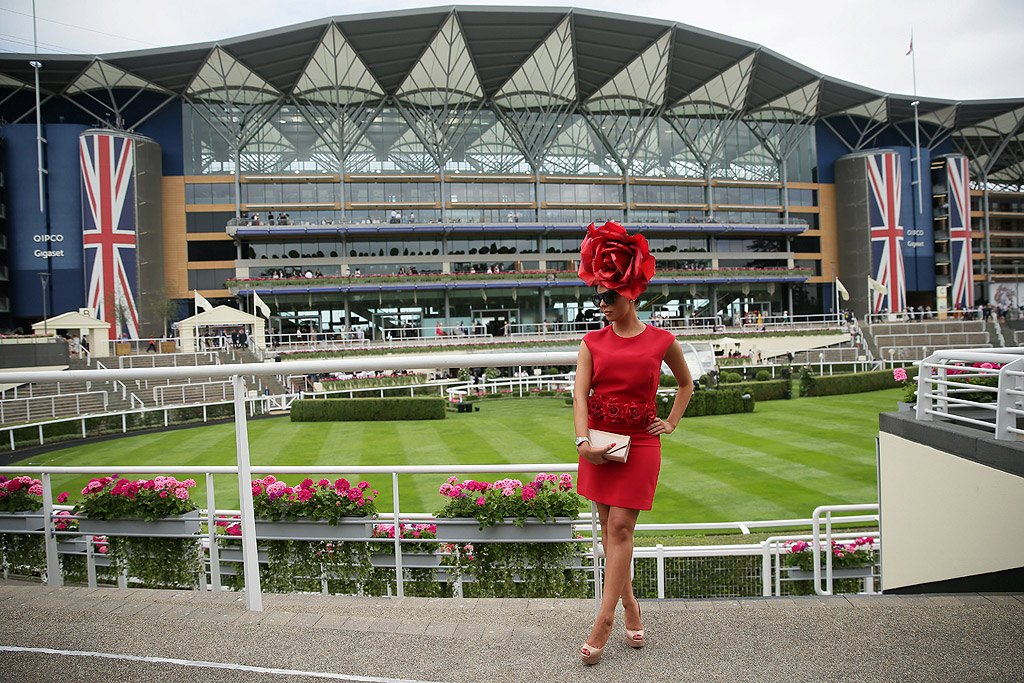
<point x="624" y="386"/>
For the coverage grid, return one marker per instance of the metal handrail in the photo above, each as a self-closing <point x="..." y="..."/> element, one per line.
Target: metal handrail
<point x="942" y="370"/>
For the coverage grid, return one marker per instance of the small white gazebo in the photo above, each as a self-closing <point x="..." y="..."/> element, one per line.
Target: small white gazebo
<point x="97" y="331"/>
<point x="221" y="317"/>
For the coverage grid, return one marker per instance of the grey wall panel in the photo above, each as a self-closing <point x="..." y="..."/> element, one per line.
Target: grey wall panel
<point x="854" y="227"/>
<point x="149" y="210"/>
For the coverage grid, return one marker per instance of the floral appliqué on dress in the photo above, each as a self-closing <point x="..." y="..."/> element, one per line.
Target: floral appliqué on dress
<point x="611" y="409"/>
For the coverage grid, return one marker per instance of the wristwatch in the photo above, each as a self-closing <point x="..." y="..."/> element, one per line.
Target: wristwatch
<point x="581" y="439"/>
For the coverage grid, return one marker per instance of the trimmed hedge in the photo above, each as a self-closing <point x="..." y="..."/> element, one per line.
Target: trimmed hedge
<point x="364" y="409"/>
<point x="813" y="385"/>
<point x="770" y="390"/>
<point x="713" y="402"/>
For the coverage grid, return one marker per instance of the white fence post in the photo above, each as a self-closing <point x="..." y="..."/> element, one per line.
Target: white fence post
<point x="250" y="557"/>
<point x="211" y="521"/>
<point x="53" y="573"/>
<point x="399" y="573"/>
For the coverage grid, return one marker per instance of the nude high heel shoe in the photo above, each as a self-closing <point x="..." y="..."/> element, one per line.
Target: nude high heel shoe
<point x="635" y="638"/>
<point x="590" y="654"/>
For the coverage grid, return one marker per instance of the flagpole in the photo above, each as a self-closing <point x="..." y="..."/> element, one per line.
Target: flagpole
<point x="917" y="129"/>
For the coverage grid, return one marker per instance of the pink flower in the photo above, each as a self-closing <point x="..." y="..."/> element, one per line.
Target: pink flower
<point x="899" y="374"/>
<point x="303" y="495"/>
<point x="256" y="489"/>
<point x="324" y="483"/>
<point x="480" y="500"/>
<point x="507" y="492"/>
<point x="163" y="494"/>
<point x="306" y="483"/>
<point x="102" y="550"/>
<point x="181" y="493"/>
<point x="364" y="485"/>
<point x="35" y="490"/>
<point x="529" y="493"/>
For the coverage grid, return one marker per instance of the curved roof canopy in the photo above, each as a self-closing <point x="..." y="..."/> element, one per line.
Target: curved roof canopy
<point x="534" y="66"/>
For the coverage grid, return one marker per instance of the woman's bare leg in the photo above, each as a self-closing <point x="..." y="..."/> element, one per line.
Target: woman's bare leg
<point x="617" y="526"/>
<point x="630" y="604"/>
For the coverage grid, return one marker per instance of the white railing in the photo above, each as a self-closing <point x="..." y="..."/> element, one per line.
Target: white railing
<point x="9" y="407"/>
<point x="244" y="472"/>
<point x="32" y="391"/>
<point x="941" y="385"/>
<point x="177" y="360"/>
<point x="257" y="405"/>
<point x="192" y="393"/>
<point x="521" y="386"/>
<point x="353" y="391"/>
<point x="792" y="322"/>
<point x="587" y="523"/>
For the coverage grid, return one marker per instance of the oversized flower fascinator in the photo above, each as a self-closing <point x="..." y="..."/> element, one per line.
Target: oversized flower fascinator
<point x="619" y="261"/>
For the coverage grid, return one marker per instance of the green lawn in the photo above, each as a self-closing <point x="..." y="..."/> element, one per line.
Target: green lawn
<point x="781" y="461"/>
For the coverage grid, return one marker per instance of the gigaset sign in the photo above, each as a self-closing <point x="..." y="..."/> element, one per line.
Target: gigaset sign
<point x="48" y="239"/>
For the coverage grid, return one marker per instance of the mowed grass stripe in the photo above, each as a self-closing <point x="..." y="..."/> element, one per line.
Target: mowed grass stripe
<point x="780" y="461"/>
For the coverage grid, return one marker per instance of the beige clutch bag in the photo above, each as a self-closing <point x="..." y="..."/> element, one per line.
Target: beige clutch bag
<point x="599" y="439"/>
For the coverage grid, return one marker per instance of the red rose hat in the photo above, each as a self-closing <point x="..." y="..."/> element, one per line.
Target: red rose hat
<point x="617" y="260"/>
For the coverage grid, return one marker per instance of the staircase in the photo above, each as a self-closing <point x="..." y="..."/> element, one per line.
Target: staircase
<point x="265" y="381"/>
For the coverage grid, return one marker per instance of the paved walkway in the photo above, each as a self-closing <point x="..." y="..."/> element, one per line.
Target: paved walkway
<point x="59" y="634"/>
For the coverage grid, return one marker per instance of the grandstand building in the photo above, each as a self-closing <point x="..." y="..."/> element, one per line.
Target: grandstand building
<point x="438" y="166"/>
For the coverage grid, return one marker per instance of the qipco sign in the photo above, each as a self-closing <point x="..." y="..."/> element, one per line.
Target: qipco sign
<point x="48" y="242"/>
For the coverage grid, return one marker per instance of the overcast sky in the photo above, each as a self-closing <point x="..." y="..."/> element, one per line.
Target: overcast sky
<point x="966" y="49"/>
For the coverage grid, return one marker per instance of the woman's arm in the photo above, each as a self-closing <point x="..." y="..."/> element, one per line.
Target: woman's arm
<point x="584" y="374"/>
<point x="677" y="364"/>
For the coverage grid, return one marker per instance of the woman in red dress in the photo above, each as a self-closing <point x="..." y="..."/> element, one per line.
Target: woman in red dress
<point x="621" y="365"/>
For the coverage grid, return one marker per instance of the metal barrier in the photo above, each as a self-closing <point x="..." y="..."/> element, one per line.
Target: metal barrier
<point x="208" y="391"/>
<point x="943" y="373"/>
<point x="150" y="361"/>
<point x="8" y="405"/>
<point x="244" y="472"/>
<point x="587" y="522"/>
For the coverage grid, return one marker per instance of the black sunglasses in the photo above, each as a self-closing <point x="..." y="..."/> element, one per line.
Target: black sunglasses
<point x="608" y="297"/>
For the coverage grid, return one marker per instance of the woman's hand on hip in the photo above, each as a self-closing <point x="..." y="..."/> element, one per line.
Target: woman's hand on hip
<point x="660" y="426"/>
<point x="595" y="456"/>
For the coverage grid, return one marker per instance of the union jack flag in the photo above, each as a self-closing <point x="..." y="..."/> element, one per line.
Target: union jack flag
<point x="109" y="236"/>
<point x="960" y="232"/>
<point x="884" y="204"/>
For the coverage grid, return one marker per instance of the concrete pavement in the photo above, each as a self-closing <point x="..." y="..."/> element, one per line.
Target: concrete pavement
<point x="157" y="635"/>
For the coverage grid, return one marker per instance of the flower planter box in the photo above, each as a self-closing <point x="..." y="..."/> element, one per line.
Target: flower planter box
<point x="21" y="522"/>
<point x="71" y="545"/>
<point x="182" y="525"/>
<point x="347" y="529"/>
<point x="235" y="555"/>
<point x="409" y="560"/>
<point x="840" y="573"/>
<point x="533" y="531"/>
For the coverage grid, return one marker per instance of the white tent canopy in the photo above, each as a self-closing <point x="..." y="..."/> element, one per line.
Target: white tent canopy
<point x="219" y="318"/>
<point x="97" y="331"/>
